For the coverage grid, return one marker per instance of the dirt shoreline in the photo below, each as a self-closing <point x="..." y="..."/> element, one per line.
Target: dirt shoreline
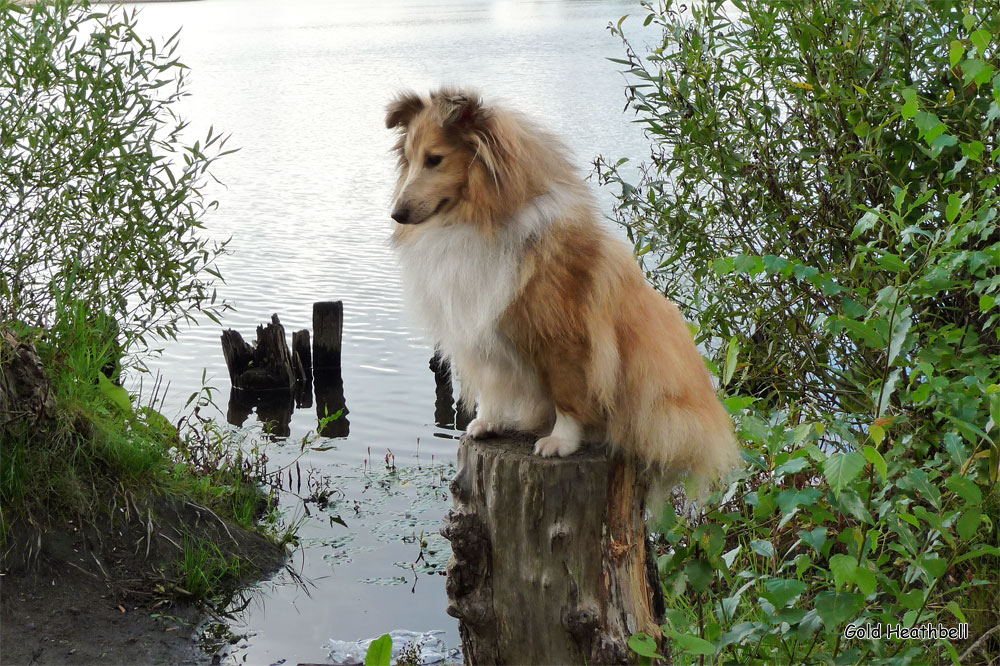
<point x="65" y="617"/>
<point x="99" y="595"/>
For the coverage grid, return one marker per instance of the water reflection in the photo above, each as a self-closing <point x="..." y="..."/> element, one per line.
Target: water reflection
<point x="275" y="407"/>
<point x="448" y="413"/>
<point x="330" y="400"/>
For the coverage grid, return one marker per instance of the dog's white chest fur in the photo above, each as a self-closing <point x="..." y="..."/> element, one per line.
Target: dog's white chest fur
<point x="459" y="283"/>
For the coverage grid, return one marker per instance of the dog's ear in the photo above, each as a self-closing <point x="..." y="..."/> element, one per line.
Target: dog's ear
<point x="402" y="109"/>
<point x="460" y="109"/>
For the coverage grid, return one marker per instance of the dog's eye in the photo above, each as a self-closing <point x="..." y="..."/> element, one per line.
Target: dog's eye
<point x="432" y="161"/>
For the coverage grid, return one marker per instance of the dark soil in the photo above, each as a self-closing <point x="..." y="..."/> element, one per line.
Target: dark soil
<point x="96" y="595"/>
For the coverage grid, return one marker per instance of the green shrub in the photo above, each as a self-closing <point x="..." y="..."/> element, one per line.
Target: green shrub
<point x="100" y="198"/>
<point x="101" y="252"/>
<point x="822" y="201"/>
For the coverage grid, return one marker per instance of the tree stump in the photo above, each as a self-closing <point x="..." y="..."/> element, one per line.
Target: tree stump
<point x="25" y="392"/>
<point x="550" y="558"/>
<point x="266" y="365"/>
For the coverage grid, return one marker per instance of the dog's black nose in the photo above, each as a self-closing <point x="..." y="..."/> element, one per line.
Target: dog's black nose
<point x="401" y="215"/>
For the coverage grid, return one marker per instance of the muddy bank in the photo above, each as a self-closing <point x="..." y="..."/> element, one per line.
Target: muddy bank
<point x="113" y="593"/>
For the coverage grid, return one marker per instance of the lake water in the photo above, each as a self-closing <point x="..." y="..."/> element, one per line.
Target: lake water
<point x="301" y="86"/>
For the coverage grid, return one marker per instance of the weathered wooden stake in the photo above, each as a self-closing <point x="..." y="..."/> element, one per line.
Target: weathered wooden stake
<point x="328" y="330"/>
<point x="302" y="355"/>
<point x="550" y="560"/>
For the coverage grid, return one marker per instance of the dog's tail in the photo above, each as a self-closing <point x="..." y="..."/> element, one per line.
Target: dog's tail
<point x="664" y="407"/>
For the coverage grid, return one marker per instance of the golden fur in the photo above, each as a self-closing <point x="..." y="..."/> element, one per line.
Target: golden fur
<point x="545" y="315"/>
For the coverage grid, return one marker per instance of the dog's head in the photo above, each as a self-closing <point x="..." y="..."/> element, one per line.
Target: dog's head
<point x="455" y="156"/>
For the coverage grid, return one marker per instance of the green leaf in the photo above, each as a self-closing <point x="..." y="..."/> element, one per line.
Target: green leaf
<point x="956" y="49"/>
<point x="732" y="357"/>
<point x="842" y="468"/>
<point x="699" y="574"/>
<point x="900" y="327"/>
<point x="954" y="206"/>
<point x="116" y="394"/>
<point x="850" y="502"/>
<point x="843" y="567"/>
<point x="866" y="222"/>
<point x="968" y="524"/>
<point x="892" y="262"/>
<point x="693" y="644"/>
<point x="792" y="498"/>
<point x="934" y="566"/>
<point x="815" y="538"/>
<point x="754" y="429"/>
<point x="774" y="264"/>
<point x="910" y="105"/>
<point x="379" y="652"/>
<point x="964" y="488"/>
<point x="913" y="599"/>
<point x="861" y="331"/>
<point x="791" y="466"/>
<point x="918" y="480"/>
<point x="644" y="646"/>
<point x="981" y="39"/>
<point x="781" y="592"/>
<point x="930" y="125"/>
<point x="865" y="580"/>
<point x="976" y="71"/>
<point x="978" y="552"/>
<point x="724" y="266"/>
<point x="956" y="448"/>
<point x="973" y="150"/>
<point x="836" y="608"/>
<point x="956" y="610"/>
<point x="876" y="459"/>
<point x="761" y="547"/>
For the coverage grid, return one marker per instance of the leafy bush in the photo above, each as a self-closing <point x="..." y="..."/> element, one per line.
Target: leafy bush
<point x="100" y="198"/>
<point x="822" y="200"/>
<point x="101" y="252"/>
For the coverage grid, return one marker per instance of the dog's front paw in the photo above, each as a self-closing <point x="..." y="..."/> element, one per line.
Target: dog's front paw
<point x="480" y="429"/>
<point x="548" y="447"/>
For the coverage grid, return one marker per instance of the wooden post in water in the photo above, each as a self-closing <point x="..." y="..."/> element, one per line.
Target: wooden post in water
<point x="302" y="355"/>
<point x="328" y="330"/>
<point x="550" y="557"/>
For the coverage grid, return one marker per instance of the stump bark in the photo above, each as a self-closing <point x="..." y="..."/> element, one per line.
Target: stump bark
<point x="550" y="563"/>
<point x="266" y="365"/>
<point x="25" y="393"/>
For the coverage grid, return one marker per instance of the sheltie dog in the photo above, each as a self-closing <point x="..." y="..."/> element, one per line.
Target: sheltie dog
<point x="546" y="317"/>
